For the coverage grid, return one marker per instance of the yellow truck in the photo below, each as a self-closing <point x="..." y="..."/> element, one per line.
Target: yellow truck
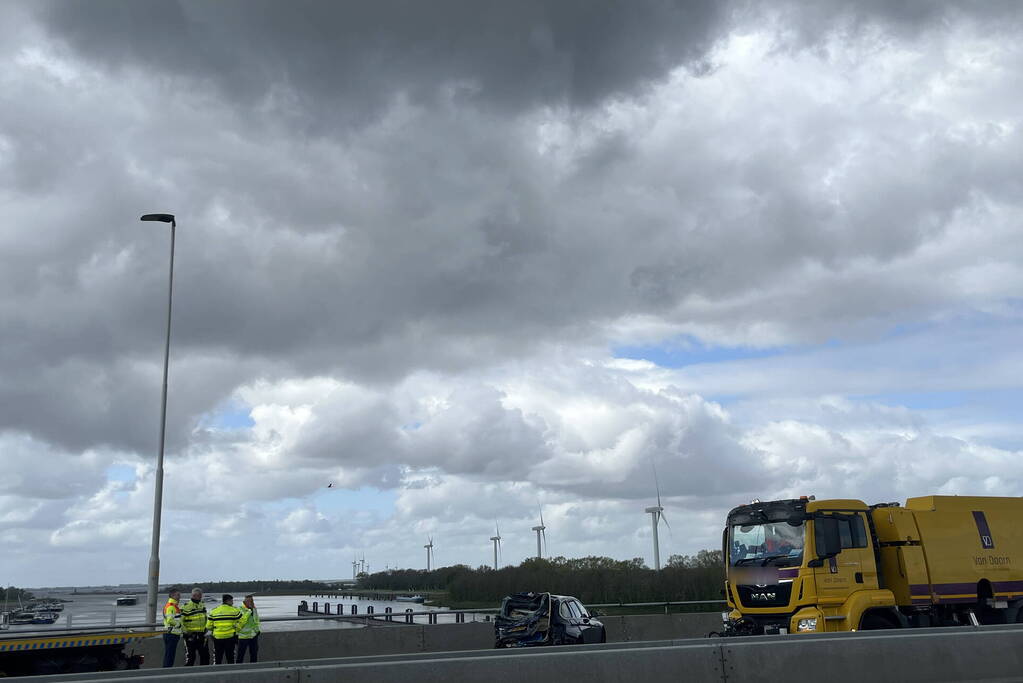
<point x="810" y="566"/>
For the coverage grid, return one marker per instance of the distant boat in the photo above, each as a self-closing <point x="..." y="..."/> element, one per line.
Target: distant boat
<point x="411" y="598"/>
<point x="44" y="617"/>
<point x="127" y="600"/>
<point x="22" y="617"/>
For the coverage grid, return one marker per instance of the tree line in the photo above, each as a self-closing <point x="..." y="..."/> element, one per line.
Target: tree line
<point x="13" y="594"/>
<point x="256" y="586"/>
<point x="591" y="579"/>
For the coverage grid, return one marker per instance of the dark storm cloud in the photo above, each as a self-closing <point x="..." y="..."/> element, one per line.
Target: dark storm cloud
<point x="441" y="228"/>
<point x="357" y="55"/>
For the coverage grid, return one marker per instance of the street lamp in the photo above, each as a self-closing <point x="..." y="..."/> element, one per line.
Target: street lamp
<point x="154" y="554"/>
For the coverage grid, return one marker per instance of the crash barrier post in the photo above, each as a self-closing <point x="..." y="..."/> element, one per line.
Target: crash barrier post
<point x="316" y="606"/>
<point x="459" y="617"/>
<point x="387" y="611"/>
<point x="326" y="608"/>
<point x="408" y="616"/>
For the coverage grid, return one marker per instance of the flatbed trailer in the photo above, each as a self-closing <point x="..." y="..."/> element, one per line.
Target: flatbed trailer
<point x="27" y="653"/>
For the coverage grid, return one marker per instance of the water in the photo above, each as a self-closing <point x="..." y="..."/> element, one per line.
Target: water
<point x="90" y="610"/>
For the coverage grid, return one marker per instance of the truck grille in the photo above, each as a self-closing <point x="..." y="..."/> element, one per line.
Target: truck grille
<point x="776" y="595"/>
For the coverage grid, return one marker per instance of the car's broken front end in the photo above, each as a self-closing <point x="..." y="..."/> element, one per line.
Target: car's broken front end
<point x="524" y="620"/>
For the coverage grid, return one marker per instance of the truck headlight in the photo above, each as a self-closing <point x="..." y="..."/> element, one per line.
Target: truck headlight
<point x="724" y="616"/>
<point x="804" y="625"/>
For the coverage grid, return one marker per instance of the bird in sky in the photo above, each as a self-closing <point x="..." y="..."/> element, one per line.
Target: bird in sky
<point x="330" y="485"/>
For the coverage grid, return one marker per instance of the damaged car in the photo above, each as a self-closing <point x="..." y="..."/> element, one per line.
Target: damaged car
<point x="529" y="619"/>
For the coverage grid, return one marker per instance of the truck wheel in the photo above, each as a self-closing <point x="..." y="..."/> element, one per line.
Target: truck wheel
<point x="875" y="622"/>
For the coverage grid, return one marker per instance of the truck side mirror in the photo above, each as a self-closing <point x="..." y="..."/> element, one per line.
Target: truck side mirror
<point x="826" y="538"/>
<point x="796" y="519"/>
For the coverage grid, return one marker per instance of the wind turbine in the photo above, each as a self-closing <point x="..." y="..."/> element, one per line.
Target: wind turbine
<point x="497" y="543"/>
<point x="656" y="515"/>
<point x="429" y="553"/>
<point x="540" y="531"/>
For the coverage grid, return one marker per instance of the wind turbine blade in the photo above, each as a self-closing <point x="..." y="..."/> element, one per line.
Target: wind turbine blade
<point x="543" y="533"/>
<point x="541" y="515"/>
<point x="657" y="484"/>
<point x="664" y="519"/>
<point x="670" y="534"/>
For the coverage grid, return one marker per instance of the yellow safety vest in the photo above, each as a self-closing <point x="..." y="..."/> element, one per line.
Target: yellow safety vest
<point x="225" y="621"/>
<point x="249" y="627"/>
<point x="172" y="617"/>
<point x="193" y="617"/>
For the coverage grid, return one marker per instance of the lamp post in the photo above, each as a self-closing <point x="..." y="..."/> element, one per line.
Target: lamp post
<point x="154" y="554"/>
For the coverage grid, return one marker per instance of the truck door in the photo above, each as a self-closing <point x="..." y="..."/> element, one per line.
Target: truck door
<point x="853" y="569"/>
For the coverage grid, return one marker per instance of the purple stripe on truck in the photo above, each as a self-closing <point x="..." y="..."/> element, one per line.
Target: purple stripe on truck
<point x="955" y="588"/>
<point x="1008" y="586"/>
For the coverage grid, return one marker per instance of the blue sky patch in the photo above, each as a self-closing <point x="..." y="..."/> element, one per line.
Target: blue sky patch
<point x="680" y="352"/>
<point x="229" y="416"/>
<point x="120" y="473"/>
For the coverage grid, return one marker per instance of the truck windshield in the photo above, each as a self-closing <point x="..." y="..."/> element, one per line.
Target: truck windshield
<point x="772" y="543"/>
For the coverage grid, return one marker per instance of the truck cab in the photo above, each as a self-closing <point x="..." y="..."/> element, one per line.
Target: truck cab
<point x="803" y="566"/>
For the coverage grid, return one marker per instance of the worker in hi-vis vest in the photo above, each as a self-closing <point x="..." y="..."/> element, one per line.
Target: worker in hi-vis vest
<point x="248" y="634"/>
<point x="193" y="627"/>
<point x="172" y="622"/>
<point x="224" y="622"/>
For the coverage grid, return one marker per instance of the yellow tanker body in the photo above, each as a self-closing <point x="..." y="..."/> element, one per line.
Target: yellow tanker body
<point x="808" y="565"/>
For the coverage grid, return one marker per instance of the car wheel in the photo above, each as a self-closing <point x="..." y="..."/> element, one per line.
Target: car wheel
<point x="603" y="635"/>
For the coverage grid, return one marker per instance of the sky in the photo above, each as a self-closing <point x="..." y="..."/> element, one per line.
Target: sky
<point x="462" y="259"/>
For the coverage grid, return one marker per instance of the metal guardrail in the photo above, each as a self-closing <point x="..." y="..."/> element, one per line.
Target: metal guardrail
<point x="396" y="618"/>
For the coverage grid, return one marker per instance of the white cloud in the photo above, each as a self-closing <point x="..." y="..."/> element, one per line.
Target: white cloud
<point x="407" y="278"/>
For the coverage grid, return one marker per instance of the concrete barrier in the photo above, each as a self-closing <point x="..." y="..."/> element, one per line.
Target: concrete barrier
<point x="632" y="628"/>
<point x="987" y="654"/>
<point x="350" y="642"/>
<point x="397" y="638"/>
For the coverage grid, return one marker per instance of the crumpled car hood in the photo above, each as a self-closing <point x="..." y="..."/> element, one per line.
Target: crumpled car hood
<point x="525" y="619"/>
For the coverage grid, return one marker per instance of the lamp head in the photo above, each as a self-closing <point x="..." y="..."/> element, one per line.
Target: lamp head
<point x="162" y="217"/>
